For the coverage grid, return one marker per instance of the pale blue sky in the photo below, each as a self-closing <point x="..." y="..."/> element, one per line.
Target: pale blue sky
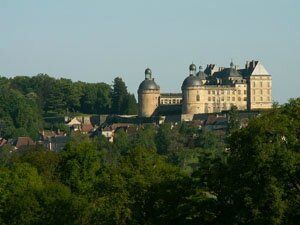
<point x="96" y="41"/>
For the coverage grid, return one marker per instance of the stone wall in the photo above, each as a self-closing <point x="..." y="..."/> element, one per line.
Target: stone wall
<point x="260" y="92"/>
<point x="214" y="98"/>
<point x="148" y="102"/>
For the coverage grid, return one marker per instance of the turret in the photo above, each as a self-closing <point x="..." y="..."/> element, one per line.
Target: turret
<point x="148" y="95"/>
<point x="191" y="92"/>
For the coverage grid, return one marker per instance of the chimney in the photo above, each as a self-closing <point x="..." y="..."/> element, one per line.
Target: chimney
<point x="247" y="65"/>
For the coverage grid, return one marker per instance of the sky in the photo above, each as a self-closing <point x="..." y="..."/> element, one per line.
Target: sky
<point x="96" y="41"/>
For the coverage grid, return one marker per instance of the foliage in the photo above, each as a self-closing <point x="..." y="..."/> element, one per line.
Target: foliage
<point x="122" y="101"/>
<point x="19" y="115"/>
<point x="168" y="175"/>
<point x="25" y="100"/>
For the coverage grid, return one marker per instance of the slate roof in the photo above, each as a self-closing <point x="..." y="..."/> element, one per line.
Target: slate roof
<point x="201" y="75"/>
<point x="148" y="84"/>
<point x="171" y="95"/>
<point x="227" y="72"/>
<point x="191" y="81"/>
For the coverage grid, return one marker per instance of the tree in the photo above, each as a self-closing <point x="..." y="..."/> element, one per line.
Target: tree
<point x="233" y="120"/>
<point x="119" y="94"/>
<point x="19" y="115"/>
<point x="130" y="105"/>
<point x="262" y="182"/>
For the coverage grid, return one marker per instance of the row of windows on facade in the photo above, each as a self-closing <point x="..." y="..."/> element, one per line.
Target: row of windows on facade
<point x="254" y="84"/>
<point x="261" y="99"/>
<point x="224" y="92"/>
<point x="170" y="101"/>
<point x="222" y="99"/>
<point x="216" y="108"/>
<point x="261" y="91"/>
<point x="179" y="101"/>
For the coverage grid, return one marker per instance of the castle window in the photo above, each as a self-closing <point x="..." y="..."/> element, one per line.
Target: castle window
<point x="233" y="98"/>
<point x="174" y="101"/>
<point x="245" y="98"/>
<point x="254" y="84"/>
<point x="170" y="101"/>
<point x="245" y="92"/>
<point x="239" y="99"/>
<point x="209" y="92"/>
<point x="213" y="92"/>
<point x="214" y="99"/>
<point x="261" y="83"/>
<point x="197" y="98"/>
<point x="261" y="92"/>
<point x="261" y="98"/>
<point x="269" y="84"/>
<point x="228" y="98"/>
<point x="209" y="99"/>
<point x="222" y="99"/>
<point x="239" y="92"/>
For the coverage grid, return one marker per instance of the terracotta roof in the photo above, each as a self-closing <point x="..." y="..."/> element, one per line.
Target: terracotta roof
<point x="23" y="141"/>
<point x="87" y="127"/>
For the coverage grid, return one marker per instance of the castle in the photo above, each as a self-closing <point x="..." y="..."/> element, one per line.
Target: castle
<point x="211" y="90"/>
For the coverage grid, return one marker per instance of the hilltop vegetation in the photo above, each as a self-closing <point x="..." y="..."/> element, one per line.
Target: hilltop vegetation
<point x="26" y="100"/>
<point x="170" y="176"/>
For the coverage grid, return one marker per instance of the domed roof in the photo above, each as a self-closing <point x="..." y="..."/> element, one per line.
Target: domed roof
<point x="191" y="81"/>
<point x="192" y="67"/>
<point x="148" y="71"/>
<point x="201" y="74"/>
<point x="148" y="84"/>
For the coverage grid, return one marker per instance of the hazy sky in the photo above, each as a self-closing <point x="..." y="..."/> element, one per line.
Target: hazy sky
<point x="96" y="41"/>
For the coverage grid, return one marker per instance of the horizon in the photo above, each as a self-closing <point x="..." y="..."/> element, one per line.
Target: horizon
<point x="98" y="41"/>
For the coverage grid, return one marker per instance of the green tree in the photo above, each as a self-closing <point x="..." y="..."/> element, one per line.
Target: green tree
<point x="119" y="94"/>
<point x="262" y="183"/>
<point x="233" y="119"/>
<point x="130" y="105"/>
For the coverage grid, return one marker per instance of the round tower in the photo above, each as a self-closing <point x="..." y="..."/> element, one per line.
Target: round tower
<point x="148" y="95"/>
<point x="191" y="92"/>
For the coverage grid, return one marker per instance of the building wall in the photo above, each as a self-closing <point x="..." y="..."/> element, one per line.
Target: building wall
<point x="191" y="103"/>
<point x="214" y="98"/>
<point x="148" y="102"/>
<point x="260" y="92"/>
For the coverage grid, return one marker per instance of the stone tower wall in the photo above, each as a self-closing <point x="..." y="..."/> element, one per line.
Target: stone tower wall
<point x="148" y="102"/>
<point x="259" y="92"/>
<point x="191" y="100"/>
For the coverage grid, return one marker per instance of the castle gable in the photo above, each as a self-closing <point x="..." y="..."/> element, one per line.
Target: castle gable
<point x="259" y="70"/>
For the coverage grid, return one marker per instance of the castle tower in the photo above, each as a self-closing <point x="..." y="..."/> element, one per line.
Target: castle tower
<point x="148" y="95"/>
<point x="191" y="92"/>
<point x="259" y="86"/>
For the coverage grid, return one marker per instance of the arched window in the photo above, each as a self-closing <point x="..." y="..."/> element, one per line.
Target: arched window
<point x="198" y="98"/>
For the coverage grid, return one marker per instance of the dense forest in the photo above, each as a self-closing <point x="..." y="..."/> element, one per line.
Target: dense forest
<point x="25" y="101"/>
<point x="166" y="175"/>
